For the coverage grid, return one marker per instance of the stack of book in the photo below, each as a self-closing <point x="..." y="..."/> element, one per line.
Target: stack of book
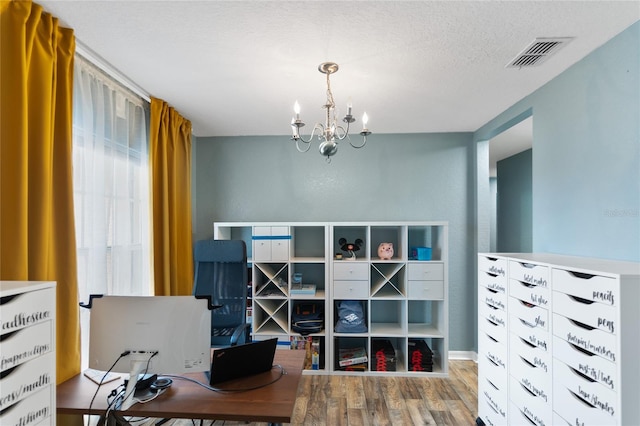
<point x="420" y="356"/>
<point x="308" y="289"/>
<point x="353" y="359"/>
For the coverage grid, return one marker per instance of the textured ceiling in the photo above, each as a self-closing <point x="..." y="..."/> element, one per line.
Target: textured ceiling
<point x="237" y="67"/>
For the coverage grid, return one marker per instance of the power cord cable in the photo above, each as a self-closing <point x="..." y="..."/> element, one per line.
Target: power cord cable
<point x="215" y="389"/>
<point x="122" y="355"/>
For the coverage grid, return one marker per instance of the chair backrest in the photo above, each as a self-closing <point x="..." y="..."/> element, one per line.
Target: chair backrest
<point x="221" y="272"/>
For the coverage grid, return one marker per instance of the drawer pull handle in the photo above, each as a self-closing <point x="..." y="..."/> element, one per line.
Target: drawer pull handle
<point x="527" y="304"/>
<point x="581" y="300"/>
<point x="8" y="372"/>
<point x="526" y="361"/>
<point x="579" y="349"/>
<point x="526" y="323"/>
<point x="492" y="307"/>
<point x="491" y="383"/>
<point x="492" y="338"/>
<point x="492" y="290"/>
<point x="528" y="265"/>
<point x="8" y="336"/>
<point x="493" y="362"/>
<point x="493" y="408"/>
<point x="492" y="322"/>
<point x="581" y="275"/>
<point x="579" y="374"/>
<point x="492" y="275"/>
<point x="580" y="399"/>
<point x="528" y="391"/>
<point x="8" y="299"/>
<point x="526" y="417"/>
<point x="528" y="343"/>
<point x="527" y="284"/>
<point x="581" y="324"/>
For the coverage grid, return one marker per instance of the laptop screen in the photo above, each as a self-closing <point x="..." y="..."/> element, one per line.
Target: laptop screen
<point x="234" y="362"/>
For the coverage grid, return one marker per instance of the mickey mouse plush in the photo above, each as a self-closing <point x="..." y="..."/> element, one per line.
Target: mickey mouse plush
<point x="351" y="248"/>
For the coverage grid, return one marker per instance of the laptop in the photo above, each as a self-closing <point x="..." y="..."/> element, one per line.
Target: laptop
<point x="238" y="361"/>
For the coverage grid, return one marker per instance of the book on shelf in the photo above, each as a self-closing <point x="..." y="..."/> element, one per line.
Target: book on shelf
<point x="351" y="356"/>
<point x="303" y="289"/>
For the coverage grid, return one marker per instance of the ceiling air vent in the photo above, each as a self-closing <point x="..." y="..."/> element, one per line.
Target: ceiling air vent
<point x="538" y="52"/>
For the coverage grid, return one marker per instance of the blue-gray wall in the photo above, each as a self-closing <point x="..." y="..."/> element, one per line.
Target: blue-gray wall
<point x="394" y="178"/>
<point x="586" y="155"/>
<point x="586" y="176"/>
<point x="513" y="212"/>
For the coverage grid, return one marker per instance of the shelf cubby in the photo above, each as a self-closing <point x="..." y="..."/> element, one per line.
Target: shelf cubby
<point x="349" y="343"/>
<point x="382" y="363"/>
<point x="271" y="280"/>
<point x="351" y="234"/>
<point x="388" y="317"/>
<point x="425" y="318"/>
<point x="270" y="316"/>
<point x="431" y="236"/>
<point x="393" y="234"/>
<point x="308" y="243"/>
<point x="388" y="280"/>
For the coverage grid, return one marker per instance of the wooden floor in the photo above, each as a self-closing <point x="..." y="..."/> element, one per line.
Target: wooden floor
<point x="364" y="400"/>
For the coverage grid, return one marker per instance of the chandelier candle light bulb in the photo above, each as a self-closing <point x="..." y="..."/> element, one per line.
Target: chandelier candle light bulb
<point x="329" y="133"/>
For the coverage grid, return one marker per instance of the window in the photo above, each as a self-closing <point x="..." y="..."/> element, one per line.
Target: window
<point x="111" y="189"/>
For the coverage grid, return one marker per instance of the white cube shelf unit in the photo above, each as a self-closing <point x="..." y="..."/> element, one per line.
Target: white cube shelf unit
<point x="404" y="299"/>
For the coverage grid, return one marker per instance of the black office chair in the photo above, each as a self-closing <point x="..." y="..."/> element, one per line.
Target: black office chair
<point x="221" y="272"/>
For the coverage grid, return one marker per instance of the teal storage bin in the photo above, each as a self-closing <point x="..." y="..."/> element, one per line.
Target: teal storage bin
<point x="421" y="253"/>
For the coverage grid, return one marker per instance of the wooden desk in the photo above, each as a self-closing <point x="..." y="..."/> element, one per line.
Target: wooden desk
<point x="184" y="399"/>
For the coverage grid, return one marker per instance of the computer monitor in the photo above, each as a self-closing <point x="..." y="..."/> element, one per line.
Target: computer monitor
<point x="159" y="334"/>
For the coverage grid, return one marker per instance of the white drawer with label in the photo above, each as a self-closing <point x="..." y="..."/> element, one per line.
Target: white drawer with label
<point x="595" y="288"/>
<point x="26" y="309"/>
<point x="534" y="356"/>
<point x="493" y="298"/>
<point x="536" y="295"/>
<point x="592" y="393"/>
<point x="587" y="363"/>
<point x="26" y="344"/>
<point x="493" y="265"/>
<point x="492" y="403"/>
<point x="33" y="410"/>
<point x="536" y="336"/>
<point x="25" y="380"/>
<point x="590" y="313"/>
<point x="532" y="406"/>
<point x="529" y="273"/>
<point x="532" y="377"/>
<point x="492" y="282"/>
<point x="596" y="341"/>
<point x="529" y="314"/>
<point x="570" y="406"/>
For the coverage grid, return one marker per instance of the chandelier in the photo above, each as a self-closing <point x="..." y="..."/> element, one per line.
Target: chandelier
<point x="329" y="133"/>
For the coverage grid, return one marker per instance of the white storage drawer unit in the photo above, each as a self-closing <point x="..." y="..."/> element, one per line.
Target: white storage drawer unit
<point x="573" y="340"/>
<point x="27" y="386"/>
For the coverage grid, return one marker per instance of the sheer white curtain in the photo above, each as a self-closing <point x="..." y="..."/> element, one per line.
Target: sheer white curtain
<point x="111" y="189"/>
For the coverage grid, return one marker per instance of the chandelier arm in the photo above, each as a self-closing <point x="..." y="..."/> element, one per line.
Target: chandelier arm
<point x="319" y="127"/>
<point x="343" y="131"/>
<point x="364" y="142"/>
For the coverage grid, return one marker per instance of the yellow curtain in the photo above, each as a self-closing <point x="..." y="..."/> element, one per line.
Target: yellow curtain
<point x="170" y="162"/>
<point x="37" y="234"/>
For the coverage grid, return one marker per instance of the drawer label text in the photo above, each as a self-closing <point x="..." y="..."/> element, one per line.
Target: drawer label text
<point x="16" y="395"/>
<point x="15" y="359"/>
<point x="596" y="374"/>
<point x="603" y="296"/>
<point x="22" y="320"/>
<point x="495" y="270"/>
<point x="497" y="287"/>
<point x="530" y="279"/>
<point x="605" y="323"/>
<point x="594" y="400"/>
<point x="586" y="344"/>
<point x="534" y="390"/>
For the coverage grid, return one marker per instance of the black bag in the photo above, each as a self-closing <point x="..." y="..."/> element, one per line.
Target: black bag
<point x="351" y="317"/>
<point x="307" y="317"/>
